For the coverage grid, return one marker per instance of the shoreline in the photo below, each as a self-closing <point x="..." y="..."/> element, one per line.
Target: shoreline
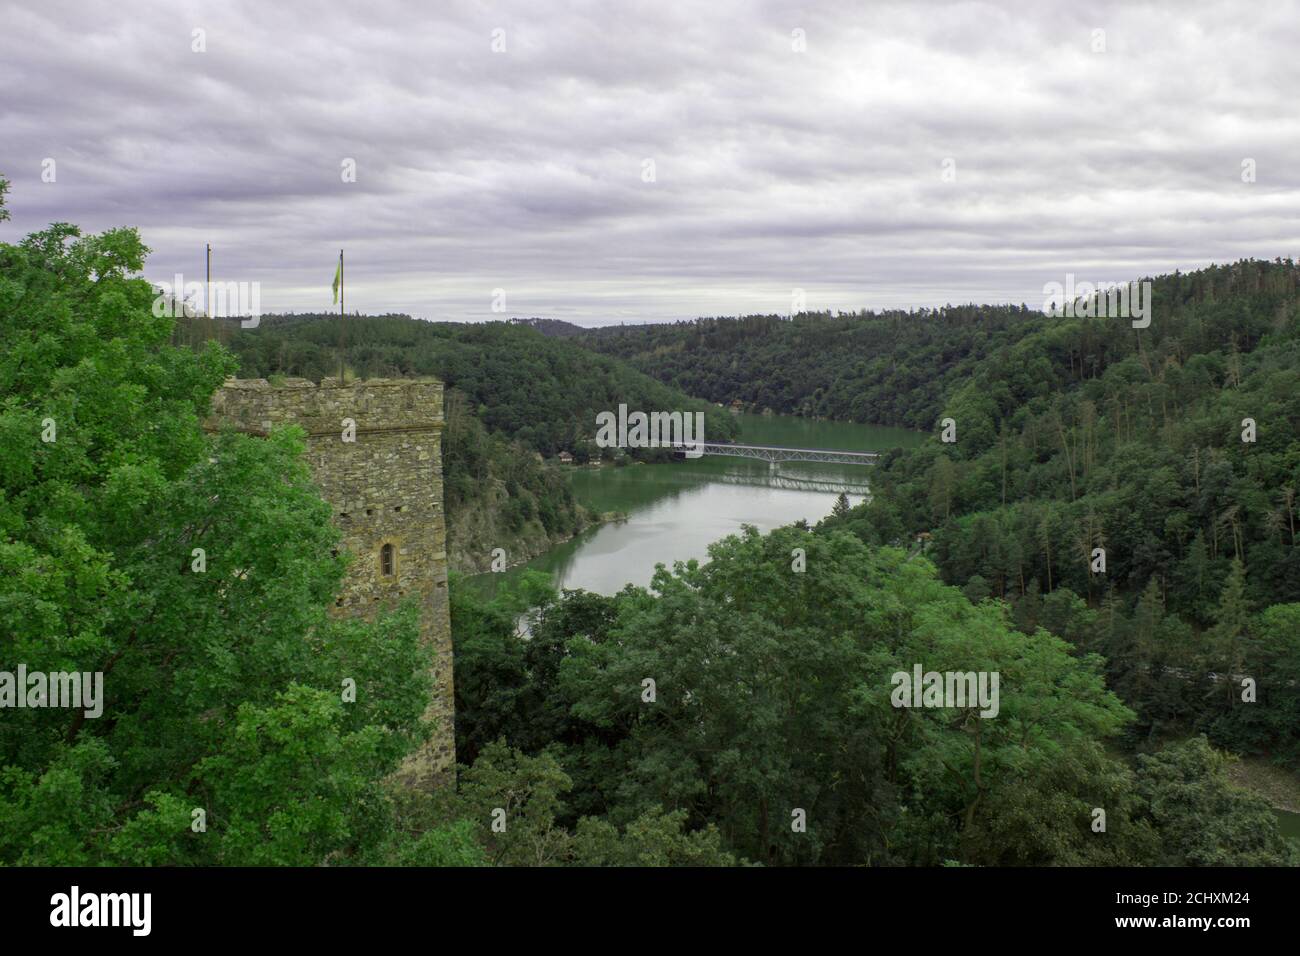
<point x="1276" y="785"/>
<point x="530" y="554"/>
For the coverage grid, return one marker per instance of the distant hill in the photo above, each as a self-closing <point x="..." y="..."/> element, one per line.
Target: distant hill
<point x="543" y="390"/>
<point x="557" y="328"/>
<point x="885" y="368"/>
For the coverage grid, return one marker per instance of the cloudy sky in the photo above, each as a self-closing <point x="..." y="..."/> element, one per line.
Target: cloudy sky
<point x="655" y="160"/>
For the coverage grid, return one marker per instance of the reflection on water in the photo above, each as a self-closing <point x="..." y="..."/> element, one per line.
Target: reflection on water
<point x="675" y="510"/>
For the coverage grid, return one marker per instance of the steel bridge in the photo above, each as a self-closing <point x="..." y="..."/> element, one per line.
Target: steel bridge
<point x="774" y="454"/>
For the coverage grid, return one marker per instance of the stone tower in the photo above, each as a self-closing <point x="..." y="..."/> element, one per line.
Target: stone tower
<point x="385" y="487"/>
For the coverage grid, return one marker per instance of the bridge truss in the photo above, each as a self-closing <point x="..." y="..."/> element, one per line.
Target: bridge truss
<point x="772" y="453"/>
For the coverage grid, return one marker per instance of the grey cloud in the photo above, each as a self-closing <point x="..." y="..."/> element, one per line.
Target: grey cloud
<point x="522" y="170"/>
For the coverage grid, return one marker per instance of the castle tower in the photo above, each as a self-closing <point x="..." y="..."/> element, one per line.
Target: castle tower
<point x="385" y="487"/>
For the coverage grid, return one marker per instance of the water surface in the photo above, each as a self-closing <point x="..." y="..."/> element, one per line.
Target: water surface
<point x="675" y="510"/>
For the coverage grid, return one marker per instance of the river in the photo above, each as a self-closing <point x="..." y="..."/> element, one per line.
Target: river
<point x="676" y="509"/>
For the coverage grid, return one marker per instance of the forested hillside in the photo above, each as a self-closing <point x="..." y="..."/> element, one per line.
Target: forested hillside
<point x="513" y="395"/>
<point x="1088" y="434"/>
<point x="889" y="368"/>
<point x="541" y="390"/>
<point x="557" y="328"/>
<point x="499" y="494"/>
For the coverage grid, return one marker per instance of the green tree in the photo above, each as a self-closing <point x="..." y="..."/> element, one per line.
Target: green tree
<point x="514" y="799"/>
<point x="1201" y="819"/>
<point x="193" y="573"/>
<point x="1231" y="630"/>
<point x="653" y="839"/>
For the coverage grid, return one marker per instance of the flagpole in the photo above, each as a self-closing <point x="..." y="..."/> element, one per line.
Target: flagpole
<point x="343" y="338"/>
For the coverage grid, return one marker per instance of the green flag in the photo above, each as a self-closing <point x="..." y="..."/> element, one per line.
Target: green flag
<point x="338" y="279"/>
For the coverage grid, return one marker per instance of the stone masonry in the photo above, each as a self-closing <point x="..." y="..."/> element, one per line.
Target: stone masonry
<point x="386" y="491"/>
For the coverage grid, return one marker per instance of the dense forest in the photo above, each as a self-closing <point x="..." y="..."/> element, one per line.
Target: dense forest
<point x="1175" y="450"/>
<point x="498" y="493"/>
<point x="892" y="368"/>
<point x="540" y="390"/>
<point x="770" y="704"/>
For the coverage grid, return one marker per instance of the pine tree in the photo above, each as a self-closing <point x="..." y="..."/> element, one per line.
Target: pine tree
<point x="1231" y="625"/>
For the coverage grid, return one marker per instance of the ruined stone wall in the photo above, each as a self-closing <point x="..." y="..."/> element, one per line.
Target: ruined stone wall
<point x="386" y="490"/>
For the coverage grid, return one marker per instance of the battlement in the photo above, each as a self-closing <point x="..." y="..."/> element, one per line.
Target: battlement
<point x="375" y="452"/>
<point x="256" y="406"/>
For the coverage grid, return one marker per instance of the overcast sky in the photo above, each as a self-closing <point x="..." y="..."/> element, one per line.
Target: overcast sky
<point x="778" y="163"/>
